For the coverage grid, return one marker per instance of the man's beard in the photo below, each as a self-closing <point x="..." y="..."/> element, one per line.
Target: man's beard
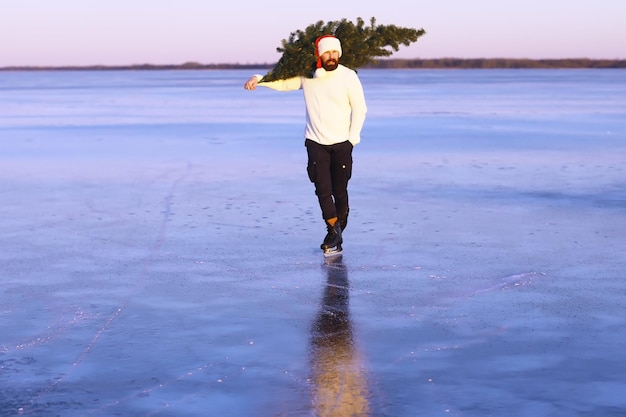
<point x="330" y="65"/>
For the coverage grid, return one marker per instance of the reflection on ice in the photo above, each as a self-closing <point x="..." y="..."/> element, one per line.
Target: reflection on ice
<point x="339" y="374"/>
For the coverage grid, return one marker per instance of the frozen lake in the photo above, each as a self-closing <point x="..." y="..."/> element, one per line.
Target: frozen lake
<point x="160" y="248"/>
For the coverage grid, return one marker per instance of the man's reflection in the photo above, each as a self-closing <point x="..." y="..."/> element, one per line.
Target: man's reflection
<point x="338" y="374"/>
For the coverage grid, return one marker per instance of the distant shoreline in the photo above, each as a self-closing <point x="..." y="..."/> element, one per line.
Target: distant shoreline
<point x="438" y="63"/>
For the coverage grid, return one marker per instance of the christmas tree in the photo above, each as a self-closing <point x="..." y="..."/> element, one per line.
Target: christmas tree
<point x="360" y="45"/>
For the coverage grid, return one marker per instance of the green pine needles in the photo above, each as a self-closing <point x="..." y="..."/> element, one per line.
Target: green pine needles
<point x="360" y="45"/>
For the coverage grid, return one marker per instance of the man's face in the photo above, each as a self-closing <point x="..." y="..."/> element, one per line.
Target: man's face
<point x="330" y="60"/>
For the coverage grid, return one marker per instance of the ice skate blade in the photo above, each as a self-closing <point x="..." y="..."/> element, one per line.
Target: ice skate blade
<point x="332" y="252"/>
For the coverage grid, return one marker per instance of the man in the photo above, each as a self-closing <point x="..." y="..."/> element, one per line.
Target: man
<point x="335" y="113"/>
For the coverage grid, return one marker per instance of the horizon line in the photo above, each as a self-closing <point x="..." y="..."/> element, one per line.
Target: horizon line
<point x="444" y="62"/>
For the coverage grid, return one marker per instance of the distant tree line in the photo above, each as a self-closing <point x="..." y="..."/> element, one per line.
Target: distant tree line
<point x="489" y="63"/>
<point x="138" y="67"/>
<point x="438" y="63"/>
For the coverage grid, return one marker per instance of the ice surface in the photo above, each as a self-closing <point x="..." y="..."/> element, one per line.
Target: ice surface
<point x="160" y="248"/>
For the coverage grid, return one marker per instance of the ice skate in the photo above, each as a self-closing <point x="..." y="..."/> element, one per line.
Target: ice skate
<point x="333" y="240"/>
<point x="334" y="251"/>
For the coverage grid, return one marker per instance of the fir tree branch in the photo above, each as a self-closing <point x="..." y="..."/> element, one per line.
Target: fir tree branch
<point x="360" y="45"/>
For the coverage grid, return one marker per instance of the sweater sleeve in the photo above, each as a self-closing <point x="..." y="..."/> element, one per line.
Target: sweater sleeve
<point x="289" y="84"/>
<point x="359" y="109"/>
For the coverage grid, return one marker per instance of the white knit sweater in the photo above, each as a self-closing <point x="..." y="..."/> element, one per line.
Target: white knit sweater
<point x="335" y="105"/>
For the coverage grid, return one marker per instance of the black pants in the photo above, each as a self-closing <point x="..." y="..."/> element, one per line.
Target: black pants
<point x="330" y="168"/>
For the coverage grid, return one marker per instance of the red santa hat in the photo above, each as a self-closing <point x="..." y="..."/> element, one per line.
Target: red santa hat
<point x="323" y="44"/>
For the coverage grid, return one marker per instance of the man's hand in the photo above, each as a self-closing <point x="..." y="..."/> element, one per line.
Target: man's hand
<point x="251" y="83"/>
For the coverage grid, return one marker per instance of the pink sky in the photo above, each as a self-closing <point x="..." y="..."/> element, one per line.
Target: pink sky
<point x="118" y="32"/>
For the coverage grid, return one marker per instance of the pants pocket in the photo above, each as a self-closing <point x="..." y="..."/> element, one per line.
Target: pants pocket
<point x="347" y="169"/>
<point x="311" y="170"/>
<point x="347" y="165"/>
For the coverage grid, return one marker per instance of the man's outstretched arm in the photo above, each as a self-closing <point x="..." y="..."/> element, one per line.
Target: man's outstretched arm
<point x="289" y="84"/>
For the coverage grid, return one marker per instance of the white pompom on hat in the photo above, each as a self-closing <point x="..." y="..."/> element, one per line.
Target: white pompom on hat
<point x="324" y="44"/>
